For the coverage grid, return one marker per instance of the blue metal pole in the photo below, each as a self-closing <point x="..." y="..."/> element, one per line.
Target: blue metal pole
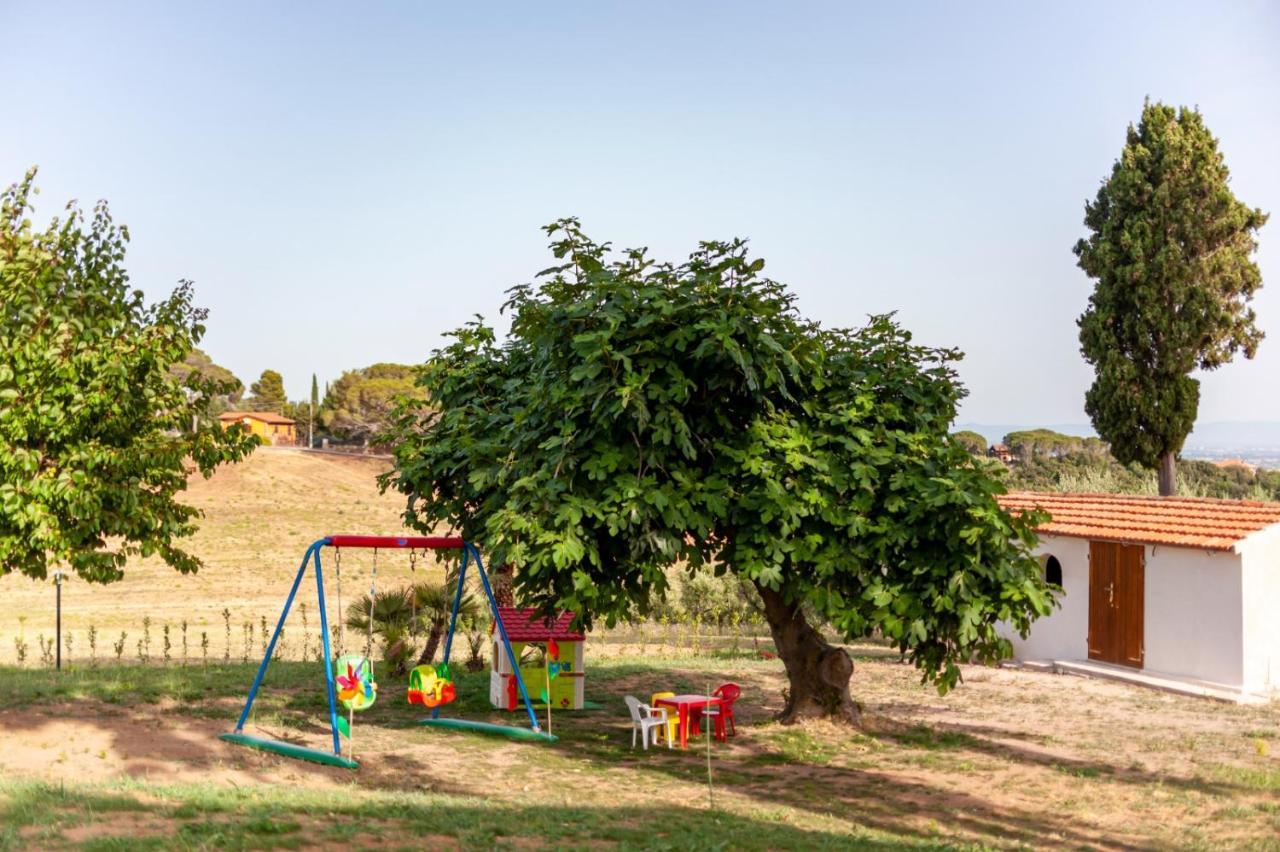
<point x="328" y="663"/>
<point x="453" y="618"/>
<point x="502" y="632"/>
<point x="262" y="669"/>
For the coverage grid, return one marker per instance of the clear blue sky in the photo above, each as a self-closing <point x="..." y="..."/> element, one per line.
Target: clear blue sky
<point x="344" y="186"/>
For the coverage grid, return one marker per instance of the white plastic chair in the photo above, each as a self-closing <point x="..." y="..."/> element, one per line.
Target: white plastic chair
<point x="645" y="719"/>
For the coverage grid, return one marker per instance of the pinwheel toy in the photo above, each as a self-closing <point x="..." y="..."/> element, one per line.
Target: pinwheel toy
<point x="356" y="687"/>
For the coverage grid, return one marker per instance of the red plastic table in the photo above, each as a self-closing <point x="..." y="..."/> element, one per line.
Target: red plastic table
<point x="682" y="704"/>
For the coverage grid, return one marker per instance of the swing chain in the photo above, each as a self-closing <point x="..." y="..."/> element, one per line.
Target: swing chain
<point x="373" y="594"/>
<point x="337" y="566"/>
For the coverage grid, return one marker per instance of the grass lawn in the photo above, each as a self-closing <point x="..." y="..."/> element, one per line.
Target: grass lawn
<point x="127" y="757"/>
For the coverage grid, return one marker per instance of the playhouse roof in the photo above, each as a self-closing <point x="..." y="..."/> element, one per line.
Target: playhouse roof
<point x="1195" y="522"/>
<point x="524" y="625"/>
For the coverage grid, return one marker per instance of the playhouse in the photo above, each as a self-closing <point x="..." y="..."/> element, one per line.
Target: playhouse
<point x="535" y="642"/>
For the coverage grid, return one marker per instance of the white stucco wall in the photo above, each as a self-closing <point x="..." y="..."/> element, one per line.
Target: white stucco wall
<point x="1193" y="620"/>
<point x="1064" y="634"/>
<point x="1260" y="554"/>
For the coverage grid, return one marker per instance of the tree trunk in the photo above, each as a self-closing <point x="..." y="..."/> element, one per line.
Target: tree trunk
<point x="434" y="635"/>
<point x="503" y="590"/>
<point x="1168" y="475"/>
<point x="818" y="672"/>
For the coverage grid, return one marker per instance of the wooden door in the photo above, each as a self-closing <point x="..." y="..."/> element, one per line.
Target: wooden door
<point x="1116" y="601"/>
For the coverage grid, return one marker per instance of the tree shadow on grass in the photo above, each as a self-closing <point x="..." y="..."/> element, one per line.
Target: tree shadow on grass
<point x="891" y="791"/>
<point x="247" y="818"/>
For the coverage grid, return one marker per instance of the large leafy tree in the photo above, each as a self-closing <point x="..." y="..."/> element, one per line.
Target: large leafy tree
<point x="95" y="427"/>
<point x="644" y="415"/>
<point x="359" y="404"/>
<point x="1170" y="251"/>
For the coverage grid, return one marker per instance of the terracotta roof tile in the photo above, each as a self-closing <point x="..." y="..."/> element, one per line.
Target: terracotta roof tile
<point x="1180" y="521"/>
<point x="523" y="625"/>
<point x="264" y="416"/>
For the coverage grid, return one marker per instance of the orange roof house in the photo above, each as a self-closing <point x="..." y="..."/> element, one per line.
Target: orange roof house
<point x="271" y="427"/>
<point x="1182" y="588"/>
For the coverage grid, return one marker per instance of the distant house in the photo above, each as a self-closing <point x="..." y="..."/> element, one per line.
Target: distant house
<point x="271" y="427"/>
<point x="1227" y="464"/>
<point x="1003" y="453"/>
<point x="1177" y="592"/>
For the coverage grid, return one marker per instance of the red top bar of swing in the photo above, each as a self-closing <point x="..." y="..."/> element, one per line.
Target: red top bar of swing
<point x="429" y="542"/>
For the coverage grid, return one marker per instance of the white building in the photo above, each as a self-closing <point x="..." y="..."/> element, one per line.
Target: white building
<point x="1178" y="592"/>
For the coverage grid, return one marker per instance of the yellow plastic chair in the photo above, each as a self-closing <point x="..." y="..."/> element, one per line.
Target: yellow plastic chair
<point x="673" y="720"/>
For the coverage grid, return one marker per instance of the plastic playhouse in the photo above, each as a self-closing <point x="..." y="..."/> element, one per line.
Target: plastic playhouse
<point x="550" y="656"/>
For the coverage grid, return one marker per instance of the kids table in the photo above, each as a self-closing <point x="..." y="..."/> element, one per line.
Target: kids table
<point x="683" y="704"/>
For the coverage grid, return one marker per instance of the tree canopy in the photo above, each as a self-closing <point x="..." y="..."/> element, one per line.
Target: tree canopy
<point x="198" y="361"/>
<point x="1029" y="443"/>
<point x="359" y="404"/>
<point x="644" y="415"/>
<point x="267" y="393"/>
<point x="95" y="426"/>
<point x="1169" y="250"/>
<point x="971" y="441"/>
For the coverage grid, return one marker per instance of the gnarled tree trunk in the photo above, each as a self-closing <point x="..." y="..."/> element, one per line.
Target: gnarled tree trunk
<point x="818" y="671"/>
<point x="503" y="589"/>
<point x="1168" y="475"/>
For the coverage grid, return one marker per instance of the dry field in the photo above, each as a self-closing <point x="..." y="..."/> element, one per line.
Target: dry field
<point x="259" y="517"/>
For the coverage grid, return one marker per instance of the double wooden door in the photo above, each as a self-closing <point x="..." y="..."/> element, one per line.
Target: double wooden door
<point x="1116" y="596"/>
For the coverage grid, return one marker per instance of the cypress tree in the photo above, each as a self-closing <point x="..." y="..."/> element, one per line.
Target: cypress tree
<point x="1169" y="250"/>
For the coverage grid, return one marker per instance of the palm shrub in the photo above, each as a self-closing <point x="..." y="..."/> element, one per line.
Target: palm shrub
<point x="400" y="616"/>
<point x="432" y="603"/>
<point x="389" y="616"/>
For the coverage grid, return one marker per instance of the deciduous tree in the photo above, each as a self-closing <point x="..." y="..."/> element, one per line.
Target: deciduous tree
<point x="95" y="433"/>
<point x="644" y="415"/>
<point x="1170" y="251"/>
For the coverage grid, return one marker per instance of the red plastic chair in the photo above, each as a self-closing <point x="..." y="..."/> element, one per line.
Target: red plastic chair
<point x="727" y="693"/>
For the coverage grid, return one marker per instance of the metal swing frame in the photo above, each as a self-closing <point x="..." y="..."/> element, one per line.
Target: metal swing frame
<point x="312" y="559"/>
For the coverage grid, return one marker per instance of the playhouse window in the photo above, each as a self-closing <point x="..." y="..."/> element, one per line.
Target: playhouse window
<point x="1053" y="571"/>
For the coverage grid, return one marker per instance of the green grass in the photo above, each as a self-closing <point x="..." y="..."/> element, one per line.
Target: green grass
<point x="272" y="818"/>
<point x="126" y="685"/>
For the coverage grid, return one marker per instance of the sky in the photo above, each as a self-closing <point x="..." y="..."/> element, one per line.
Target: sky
<point x="346" y="184"/>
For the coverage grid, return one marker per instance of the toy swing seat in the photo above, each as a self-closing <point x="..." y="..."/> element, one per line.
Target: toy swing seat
<point x="312" y="559"/>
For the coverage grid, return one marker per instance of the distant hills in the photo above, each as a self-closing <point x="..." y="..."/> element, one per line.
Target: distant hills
<point x="995" y="432"/>
<point x="1254" y="442"/>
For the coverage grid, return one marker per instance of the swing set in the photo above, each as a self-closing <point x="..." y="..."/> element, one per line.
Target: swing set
<point x="350" y="681"/>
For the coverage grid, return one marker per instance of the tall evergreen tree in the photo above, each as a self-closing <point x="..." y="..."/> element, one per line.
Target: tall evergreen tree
<point x="1170" y="251"/>
<point x="268" y="393"/>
